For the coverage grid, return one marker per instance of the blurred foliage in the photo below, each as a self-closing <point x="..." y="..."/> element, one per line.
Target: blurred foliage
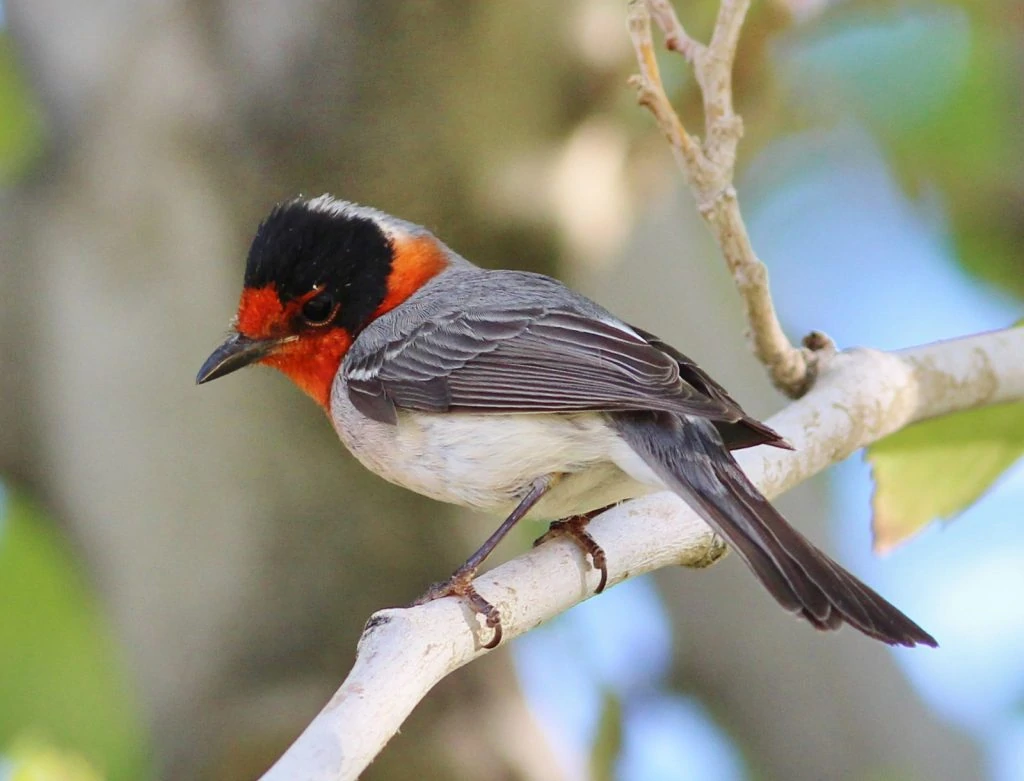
<point x="938" y="468"/>
<point x="34" y="760"/>
<point x="20" y="124"/>
<point x="62" y="678"/>
<point x="894" y="70"/>
<point x="608" y="740"/>
<point x="939" y="85"/>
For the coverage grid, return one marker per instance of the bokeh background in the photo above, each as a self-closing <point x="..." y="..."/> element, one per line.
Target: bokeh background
<point x="184" y="572"/>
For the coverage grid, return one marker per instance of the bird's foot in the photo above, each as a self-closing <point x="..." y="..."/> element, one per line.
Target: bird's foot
<point x="576" y="529"/>
<point x="460" y="584"/>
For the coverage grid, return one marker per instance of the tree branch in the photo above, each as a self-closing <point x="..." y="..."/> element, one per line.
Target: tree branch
<point x="861" y="396"/>
<point x="709" y="167"/>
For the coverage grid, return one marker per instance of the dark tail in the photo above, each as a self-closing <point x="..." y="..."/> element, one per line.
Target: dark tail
<point x="689" y="456"/>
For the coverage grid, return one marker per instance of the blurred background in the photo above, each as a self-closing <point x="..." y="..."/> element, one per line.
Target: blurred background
<point x="184" y="572"/>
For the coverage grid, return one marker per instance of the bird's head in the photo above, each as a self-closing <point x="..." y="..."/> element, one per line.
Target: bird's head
<point x="318" y="272"/>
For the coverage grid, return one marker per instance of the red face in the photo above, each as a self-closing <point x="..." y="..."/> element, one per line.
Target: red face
<point x="312" y="358"/>
<point x="302" y="336"/>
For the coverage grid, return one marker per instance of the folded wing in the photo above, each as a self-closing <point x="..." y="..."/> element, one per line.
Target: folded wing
<point x="527" y="359"/>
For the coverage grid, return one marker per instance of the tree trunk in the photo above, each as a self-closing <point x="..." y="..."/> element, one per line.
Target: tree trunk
<point x="238" y="549"/>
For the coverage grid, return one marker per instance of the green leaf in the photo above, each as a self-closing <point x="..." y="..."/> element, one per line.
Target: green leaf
<point x="62" y="681"/>
<point x="608" y="741"/>
<point x="938" y="468"/>
<point x="21" y="129"/>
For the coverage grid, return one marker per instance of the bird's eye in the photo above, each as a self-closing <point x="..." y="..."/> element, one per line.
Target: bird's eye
<point x="319" y="311"/>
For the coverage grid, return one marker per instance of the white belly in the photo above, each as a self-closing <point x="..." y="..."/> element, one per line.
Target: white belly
<point x="488" y="461"/>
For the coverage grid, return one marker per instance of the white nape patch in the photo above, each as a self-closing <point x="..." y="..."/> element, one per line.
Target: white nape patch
<point x="392" y="226"/>
<point x="328" y="204"/>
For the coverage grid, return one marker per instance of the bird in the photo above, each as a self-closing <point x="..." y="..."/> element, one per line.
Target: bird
<point x="506" y="392"/>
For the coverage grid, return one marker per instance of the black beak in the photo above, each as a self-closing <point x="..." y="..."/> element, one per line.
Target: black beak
<point x="237" y="352"/>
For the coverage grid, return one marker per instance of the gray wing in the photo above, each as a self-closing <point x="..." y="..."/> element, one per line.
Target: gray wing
<point x="524" y="359"/>
<point x="736" y="434"/>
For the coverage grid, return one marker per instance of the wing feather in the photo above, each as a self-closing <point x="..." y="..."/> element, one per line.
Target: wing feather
<point x="528" y="359"/>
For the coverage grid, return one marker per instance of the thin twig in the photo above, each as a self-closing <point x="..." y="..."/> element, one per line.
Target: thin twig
<point x="709" y="167"/>
<point x="676" y="38"/>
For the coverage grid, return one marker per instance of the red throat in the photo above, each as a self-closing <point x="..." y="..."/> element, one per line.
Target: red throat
<point x="310" y="361"/>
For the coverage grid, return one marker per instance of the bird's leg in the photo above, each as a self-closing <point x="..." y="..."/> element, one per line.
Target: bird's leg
<point x="460" y="584"/>
<point x="575" y="528"/>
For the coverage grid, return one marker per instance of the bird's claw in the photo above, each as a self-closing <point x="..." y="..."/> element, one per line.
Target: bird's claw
<point x="575" y="528"/>
<point x="461" y="585"/>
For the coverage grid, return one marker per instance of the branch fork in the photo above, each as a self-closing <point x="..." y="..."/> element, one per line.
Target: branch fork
<point x="709" y="166"/>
